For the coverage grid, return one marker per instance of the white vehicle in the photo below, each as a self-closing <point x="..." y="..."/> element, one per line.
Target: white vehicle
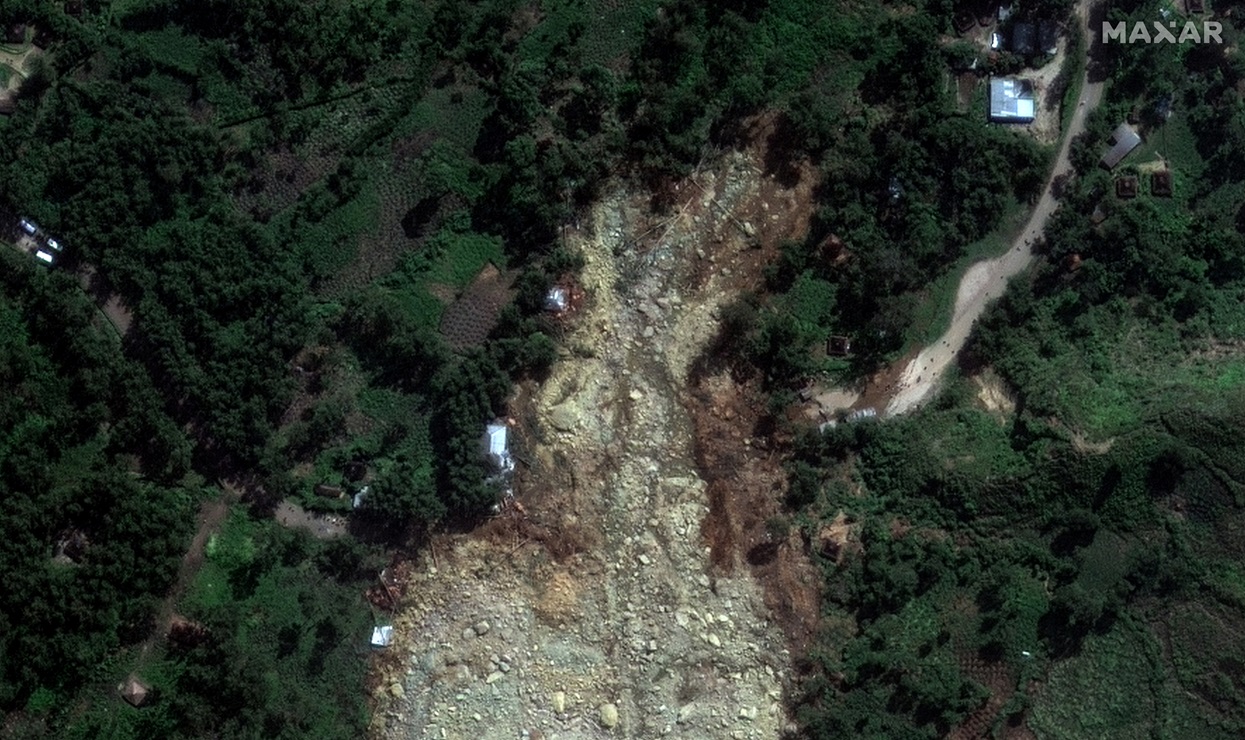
<point x="53" y="244"/>
<point x="29" y="226"/>
<point x="45" y="256"/>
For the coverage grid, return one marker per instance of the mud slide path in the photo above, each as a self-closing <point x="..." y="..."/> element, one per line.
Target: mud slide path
<point x="595" y="611"/>
<point x="986" y="280"/>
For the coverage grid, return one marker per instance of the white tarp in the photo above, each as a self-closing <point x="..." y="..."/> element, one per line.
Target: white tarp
<point x="556" y="300"/>
<point x="382" y="636"/>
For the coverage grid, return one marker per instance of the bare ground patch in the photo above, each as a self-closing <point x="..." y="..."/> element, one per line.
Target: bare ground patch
<point x="468" y="320"/>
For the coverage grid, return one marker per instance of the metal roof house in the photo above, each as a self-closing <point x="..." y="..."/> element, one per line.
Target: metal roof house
<point x="1123" y="140"/>
<point x="1012" y="100"/>
<point x="134" y="691"/>
<point x="495" y="447"/>
<point x="556" y="300"/>
<point x="382" y="636"/>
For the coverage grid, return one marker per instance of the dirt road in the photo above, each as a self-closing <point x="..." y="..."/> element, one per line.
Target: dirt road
<point x="987" y="280"/>
<point x="212" y="514"/>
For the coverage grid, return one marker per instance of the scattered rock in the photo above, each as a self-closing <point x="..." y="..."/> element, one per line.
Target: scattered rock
<point x="558" y="701"/>
<point x="494" y="677"/>
<point x="609" y="716"/>
<point x="396" y="690"/>
<point x="481" y="628"/>
<point x="644" y="559"/>
<point x="749" y="229"/>
<point x="635" y="394"/>
<point x="685" y="712"/>
<point x="468" y="633"/>
<point x="563" y="418"/>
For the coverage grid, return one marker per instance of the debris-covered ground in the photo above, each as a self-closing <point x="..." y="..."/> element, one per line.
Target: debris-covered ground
<point x="595" y="609"/>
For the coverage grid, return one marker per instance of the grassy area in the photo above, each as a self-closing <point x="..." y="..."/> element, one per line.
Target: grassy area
<point x="1074" y="69"/>
<point x="169" y="47"/>
<point x="1107" y="691"/>
<point x="1176" y="143"/>
<point x="284" y="640"/>
<point x="933" y="316"/>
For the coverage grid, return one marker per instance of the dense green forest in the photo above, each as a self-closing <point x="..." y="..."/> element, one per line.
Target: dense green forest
<point x="1070" y="561"/>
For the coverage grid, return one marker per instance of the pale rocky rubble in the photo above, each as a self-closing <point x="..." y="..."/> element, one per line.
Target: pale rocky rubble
<point x="633" y="636"/>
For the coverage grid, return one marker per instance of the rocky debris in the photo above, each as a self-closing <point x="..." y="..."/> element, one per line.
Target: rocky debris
<point x="563" y="418"/>
<point x="624" y="634"/>
<point x="609" y="716"/>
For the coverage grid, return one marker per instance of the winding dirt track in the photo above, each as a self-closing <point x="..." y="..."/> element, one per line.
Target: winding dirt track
<point x="987" y="280"/>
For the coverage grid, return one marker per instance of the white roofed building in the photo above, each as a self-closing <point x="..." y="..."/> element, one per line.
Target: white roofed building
<point x="496" y="447"/>
<point x="1012" y="100"/>
<point x="382" y="636"/>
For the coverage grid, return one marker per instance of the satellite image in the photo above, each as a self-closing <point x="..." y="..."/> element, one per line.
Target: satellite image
<point x="594" y="369"/>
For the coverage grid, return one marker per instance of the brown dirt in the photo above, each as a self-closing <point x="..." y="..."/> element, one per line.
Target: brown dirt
<point x="323" y="527"/>
<point x="603" y="590"/>
<point x="993" y="394"/>
<point x="468" y="321"/>
<point x="109" y="302"/>
<point x="742" y="464"/>
<point x="1000" y="681"/>
<point x="739" y="451"/>
<point x="211" y="514"/>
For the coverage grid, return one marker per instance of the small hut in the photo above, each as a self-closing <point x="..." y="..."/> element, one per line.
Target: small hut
<point x="135" y="692"/>
<point x="382" y="636"/>
<point x="1161" y="184"/>
<point x="1126" y="187"/>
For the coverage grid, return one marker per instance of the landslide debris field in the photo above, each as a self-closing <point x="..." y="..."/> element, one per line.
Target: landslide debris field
<point x="622" y="599"/>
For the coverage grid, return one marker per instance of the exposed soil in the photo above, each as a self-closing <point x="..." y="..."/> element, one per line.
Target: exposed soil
<point x="321" y="526"/>
<point x="211" y="514"/>
<point x="620" y="597"/>
<point x="992" y="393"/>
<point x="468" y="320"/>
<point x="108" y="300"/>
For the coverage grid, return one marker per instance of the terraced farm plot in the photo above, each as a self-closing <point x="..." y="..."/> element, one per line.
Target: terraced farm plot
<point x="467" y="322"/>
